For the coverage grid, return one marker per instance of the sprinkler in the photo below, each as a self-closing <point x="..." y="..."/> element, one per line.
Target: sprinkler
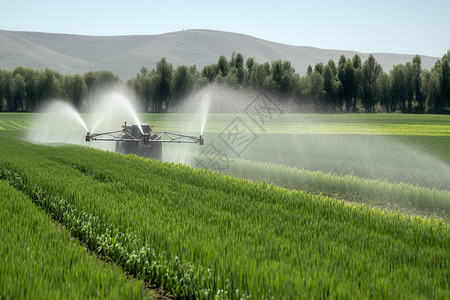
<point x="142" y="140"/>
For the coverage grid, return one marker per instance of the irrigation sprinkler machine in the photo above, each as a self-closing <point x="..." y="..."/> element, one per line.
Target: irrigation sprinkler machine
<point x="142" y="140"/>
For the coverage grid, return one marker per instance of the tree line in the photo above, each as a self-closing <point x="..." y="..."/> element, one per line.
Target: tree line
<point x="350" y="85"/>
<point x="23" y="89"/>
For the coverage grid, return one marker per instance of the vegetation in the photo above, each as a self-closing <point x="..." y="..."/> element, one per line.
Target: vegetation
<point x="407" y="148"/>
<point x="349" y="85"/>
<point x="201" y="234"/>
<point x="40" y="261"/>
<point x="403" y="197"/>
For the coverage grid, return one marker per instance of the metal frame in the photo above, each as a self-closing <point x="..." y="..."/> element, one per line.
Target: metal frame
<point x="163" y="137"/>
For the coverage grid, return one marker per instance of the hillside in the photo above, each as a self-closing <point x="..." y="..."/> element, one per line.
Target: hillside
<point x="125" y="55"/>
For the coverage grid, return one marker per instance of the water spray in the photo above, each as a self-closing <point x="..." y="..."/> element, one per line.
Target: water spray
<point x="205" y="109"/>
<point x="113" y="107"/>
<point x="66" y="126"/>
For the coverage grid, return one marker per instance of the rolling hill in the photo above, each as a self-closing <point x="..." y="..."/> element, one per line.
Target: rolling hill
<point x="125" y="55"/>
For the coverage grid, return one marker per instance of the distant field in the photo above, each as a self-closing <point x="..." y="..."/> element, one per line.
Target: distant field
<point x="386" y="146"/>
<point x="369" y="124"/>
<point x="15" y="121"/>
<point x="378" y="124"/>
<point x="395" y="147"/>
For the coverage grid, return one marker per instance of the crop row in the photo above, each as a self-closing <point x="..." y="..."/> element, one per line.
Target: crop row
<point x="216" y="235"/>
<point x="41" y="262"/>
<point x="380" y="193"/>
<point x="122" y="247"/>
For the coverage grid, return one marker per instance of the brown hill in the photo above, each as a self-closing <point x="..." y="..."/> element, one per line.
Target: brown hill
<point x="125" y="55"/>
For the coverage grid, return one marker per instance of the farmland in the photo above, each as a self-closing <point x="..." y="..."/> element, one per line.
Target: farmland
<point x="39" y="261"/>
<point x="370" y="146"/>
<point x="204" y="234"/>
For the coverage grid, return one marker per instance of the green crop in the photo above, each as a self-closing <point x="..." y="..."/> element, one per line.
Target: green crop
<point x="39" y="261"/>
<point x="202" y="234"/>
<point x="15" y="121"/>
<point x="355" y="124"/>
<point x="379" y="193"/>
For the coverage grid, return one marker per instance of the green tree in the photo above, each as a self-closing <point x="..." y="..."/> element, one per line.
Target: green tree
<point x="437" y="89"/>
<point x="95" y="80"/>
<point x="232" y="78"/>
<point x="357" y="63"/>
<point x="144" y="85"/>
<point x="409" y="87"/>
<point x="333" y="67"/>
<point x="210" y="72"/>
<point x="233" y="60"/>
<point x="19" y="93"/>
<point x="444" y="84"/>
<point x="219" y="79"/>
<point x="318" y="68"/>
<point x="163" y="85"/>
<point x="223" y="66"/>
<point x="370" y="72"/>
<point x="417" y="84"/>
<point x="347" y="77"/>
<point x="341" y="63"/>
<point x="239" y="65"/>
<point x="74" y="88"/>
<point x="258" y="76"/>
<point x="30" y="77"/>
<point x="90" y="81"/>
<point x="301" y="90"/>
<point x="340" y="76"/>
<point x="106" y="78"/>
<point x="315" y="89"/>
<point x="330" y="89"/>
<point x="47" y="86"/>
<point x="199" y="80"/>
<point x="249" y="64"/>
<point x="398" y="87"/>
<point x="282" y="76"/>
<point x="5" y="89"/>
<point x="430" y="90"/>
<point x="183" y="84"/>
<point x="384" y="91"/>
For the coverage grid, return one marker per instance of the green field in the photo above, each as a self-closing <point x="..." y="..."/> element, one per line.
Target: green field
<point x="411" y="149"/>
<point x="40" y="261"/>
<point x="202" y="234"/>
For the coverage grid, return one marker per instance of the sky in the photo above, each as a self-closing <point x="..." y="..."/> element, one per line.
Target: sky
<point x="388" y="26"/>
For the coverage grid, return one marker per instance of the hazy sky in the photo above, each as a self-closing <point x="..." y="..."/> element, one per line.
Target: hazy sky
<point x="397" y="26"/>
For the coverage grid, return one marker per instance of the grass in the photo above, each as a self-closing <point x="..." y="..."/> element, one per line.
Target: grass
<point x="427" y="133"/>
<point x="369" y="124"/>
<point x="203" y="234"/>
<point x="40" y="261"/>
<point x="407" y="198"/>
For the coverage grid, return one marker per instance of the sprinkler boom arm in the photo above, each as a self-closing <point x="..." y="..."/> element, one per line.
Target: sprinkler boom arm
<point x="172" y="137"/>
<point x="151" y="137"/>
